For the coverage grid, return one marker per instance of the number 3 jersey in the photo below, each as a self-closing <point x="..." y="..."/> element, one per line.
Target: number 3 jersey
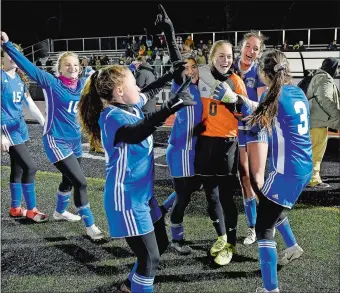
<point x="61" y="101"/>
<point x="290" y="144"/>
<point x="12" y="93"/>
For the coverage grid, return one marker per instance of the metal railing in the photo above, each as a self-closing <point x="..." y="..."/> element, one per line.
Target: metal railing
<point x="275" y="37"/>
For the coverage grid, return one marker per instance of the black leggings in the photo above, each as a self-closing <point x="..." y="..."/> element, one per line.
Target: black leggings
<point x="73" y="176"/>
<point x="184" y="187"/>
<point x="23" y="168"/>
<point x="268" y="214"/>
<point x="148" y="248"/>
<point x="219" y="191"/>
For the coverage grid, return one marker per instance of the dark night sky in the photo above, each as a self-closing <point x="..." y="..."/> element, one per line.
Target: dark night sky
<point x="28" y="22"/>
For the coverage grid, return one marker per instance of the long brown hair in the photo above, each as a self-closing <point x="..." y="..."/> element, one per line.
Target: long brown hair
<point x="21" y="74"/>
<point x="275" y="66"/>
<point x="96" y="94"/>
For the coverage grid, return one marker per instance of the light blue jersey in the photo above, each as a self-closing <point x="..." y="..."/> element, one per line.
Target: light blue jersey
<point x="251" y="79"/>
<point x="290" y="148"/>
<point x="129" y="175"/>
<point x="13" y="124"/>
<point x="12" y="94"/>
<point x="61" y="101"/>
<point x="181" y="149"/>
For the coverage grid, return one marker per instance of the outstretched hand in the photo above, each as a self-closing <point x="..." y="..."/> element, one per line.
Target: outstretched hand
<point x="163" y="21"/>
<point x="4" y="38"/>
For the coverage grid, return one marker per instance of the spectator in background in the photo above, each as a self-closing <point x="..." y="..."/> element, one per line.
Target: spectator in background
<point x="189" y="42"/>
<point x="38" y="63"/>
<point x="158" y="64"/>
<point x="145" y="73"/>
<point x="142" y="51"/>
<point x="324" y="102"/>
<point x="332" y="46"/>
<point x="285" y="46"/>
<point x="200" y="59"/>
<point x="162" y="41"/>
<point x="149" y="52"/>
<point x="200" y="45"/>
<point x="301" y="46"/>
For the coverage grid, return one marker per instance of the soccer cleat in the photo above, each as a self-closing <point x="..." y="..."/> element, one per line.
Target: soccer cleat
<point x="251" y="237"/>
<point x="180" y="247"/>
<point x="36" y="216"/>
<point x="218" y="246"/>
<point x="66" y="216"/>
<point x="17" y="212"/>
<point x="225" y="255"/>
<point x="289" y="254"/>
<point x="94" y="232"/>
<point x="264" y="290"/>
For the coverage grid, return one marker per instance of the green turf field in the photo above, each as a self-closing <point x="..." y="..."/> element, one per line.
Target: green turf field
<point x="57" y="257"/>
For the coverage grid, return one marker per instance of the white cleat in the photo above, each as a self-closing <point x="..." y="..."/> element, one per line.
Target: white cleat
<point x="251" y="237"/>
<point x="94" y="232"/>
<point x="289" y="254"/>
<point x="66" y="216"/>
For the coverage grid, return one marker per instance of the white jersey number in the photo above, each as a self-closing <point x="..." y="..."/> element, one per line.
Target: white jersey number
<point x="300" y="108"/>
<point x="73" y="107"/>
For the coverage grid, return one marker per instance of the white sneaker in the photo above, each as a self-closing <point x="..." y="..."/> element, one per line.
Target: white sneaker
<point x="289" y="254"/>
<point x="251" y="237"/>
<point x="264" y="290"/>
<point x="94" y="232"/>
<point x="66" y="216"/>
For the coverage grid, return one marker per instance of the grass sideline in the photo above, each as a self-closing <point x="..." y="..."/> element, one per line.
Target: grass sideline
<point x="58" y="257"/>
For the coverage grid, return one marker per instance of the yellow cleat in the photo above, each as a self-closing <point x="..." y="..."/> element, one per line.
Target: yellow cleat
<point x="218" y="245"/>
<point x="225" y="255"/>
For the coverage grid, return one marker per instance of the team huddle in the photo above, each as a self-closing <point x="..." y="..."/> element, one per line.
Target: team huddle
<point x="231" y="116"/>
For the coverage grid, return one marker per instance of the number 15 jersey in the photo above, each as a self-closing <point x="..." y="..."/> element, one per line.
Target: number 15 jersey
<point x="290" y="144"/>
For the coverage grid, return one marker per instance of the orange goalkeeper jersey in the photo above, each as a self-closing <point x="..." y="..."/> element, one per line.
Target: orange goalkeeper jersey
<point x="219" y="121"/>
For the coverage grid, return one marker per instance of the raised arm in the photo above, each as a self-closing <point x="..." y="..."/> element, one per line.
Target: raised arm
<point x="43" y="78"/>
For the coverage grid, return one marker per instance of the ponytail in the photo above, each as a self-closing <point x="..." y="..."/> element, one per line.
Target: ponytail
<point x="275" y="66"/>
<point x="89" y="108"/>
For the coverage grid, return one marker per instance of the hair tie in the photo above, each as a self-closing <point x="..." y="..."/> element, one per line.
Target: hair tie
<point x="280" y="66"/>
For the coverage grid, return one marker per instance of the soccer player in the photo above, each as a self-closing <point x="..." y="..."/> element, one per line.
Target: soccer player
<point x="127" y="140"/>
<point x="284" y="113"/>
<point x="246" y="64"/>
<point x="180" y="153"/>
<point x="14" y="134"/>
<point x="217" y="147"/>
<point x="62" y="137"/>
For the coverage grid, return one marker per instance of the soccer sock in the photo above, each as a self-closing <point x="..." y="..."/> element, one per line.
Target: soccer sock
<point x="86" y="215"/>
<point x="133" y="271"/>
<point x="268" y="263"/>
<point x="286" y="232"/>
<point x="63" y="199"/>
<point x="16" y="194"/>
<point x="231" y="236"/>
<point x="250" y="211"/>
<point x="167" y="204"/>
<point x="141" y="283"/>
<point x="218" y="228"/>
<point x="177" y="232"/>
<point x="29" y="194"/>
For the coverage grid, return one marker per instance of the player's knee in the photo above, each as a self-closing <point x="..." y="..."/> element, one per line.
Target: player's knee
<point x="81" y="184"/>
<point x="257" y="182"/>
<point x="264" y="234"/>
